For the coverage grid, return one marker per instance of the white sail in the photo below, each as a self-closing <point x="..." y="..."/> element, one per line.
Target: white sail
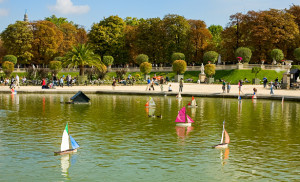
<point x="65" y="145"/>
<point x="151" y="102"/>
<point x="222" y="135"/>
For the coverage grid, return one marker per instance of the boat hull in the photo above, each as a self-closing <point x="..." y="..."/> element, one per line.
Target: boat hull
<point x="221" y="146"/>
<point x="192" y="106"/>
<point x="65" y="152"/>
<point x="183" y="124"/>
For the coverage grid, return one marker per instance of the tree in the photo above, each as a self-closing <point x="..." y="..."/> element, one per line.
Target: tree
<point x="198" y="40"/>
<point x="58" y="21"/>
<point x="215" y="31"/>
<point x="10" y="58"/>
<point x="210" y="56"/>
<point x="69" y="32"/>
<point x="47" y="41"/>
<point x="179" y="66"/>
<point x="8" y="68"/>
<point x="55" y="66"/>
<point x="210" y="69"/>
<point x="17" y="40"/>
<point x="297" y="54"/>
<point x="177" y="56"/>
<point x="141" y="58"/>
<point x="256" y="70"/>
<point x="277" y="54"/>
<point x="108" y="60"/>
<point x="145" y="67"/>
<point x="107" y="37"/>
<point x="176" y="33"/>
<point x="81" y="55"/>
<point x="244" y="53"/>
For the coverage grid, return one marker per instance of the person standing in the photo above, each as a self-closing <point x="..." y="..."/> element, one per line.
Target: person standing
<point x="148" y="84"/>
<point x="161" y="81"/>
<point x="17" y="81"/>
<point x="272" y="88"/>
<point x="224" y="86"/>
<point x="61" y="82"/>
<point x="240" y="86"/>
<point x="265" y="80"/>
<point x="114" y="84"/>
<point x="180" y="85"/>
<point x="228" y="87"/>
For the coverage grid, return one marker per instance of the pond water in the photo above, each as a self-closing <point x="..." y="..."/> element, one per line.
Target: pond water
<point x="119" y="142"/>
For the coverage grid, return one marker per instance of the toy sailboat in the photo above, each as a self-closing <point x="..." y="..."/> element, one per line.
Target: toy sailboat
<point x="193" y="103"/>
<point x="150" y="103"/>
<point x="183" y="119"/>
<point x="13" y="91"/>
<point x="65" y="144"/>
<point x="223" y="144"/>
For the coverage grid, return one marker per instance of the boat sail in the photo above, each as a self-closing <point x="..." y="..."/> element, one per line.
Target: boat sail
<point x="193" y="103"/>
<point x="183" y="119"/>
<point x="65" y="143"/>
<point x="225" y="140"/>
<point x="179" y="96"/>
<point x="150" y="103"/>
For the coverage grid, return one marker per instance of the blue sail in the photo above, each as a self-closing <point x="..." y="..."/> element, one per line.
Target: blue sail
<point x="74" y="143"/>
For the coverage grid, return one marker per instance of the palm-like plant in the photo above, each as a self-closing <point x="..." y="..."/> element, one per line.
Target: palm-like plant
<point x="81" y="55"/>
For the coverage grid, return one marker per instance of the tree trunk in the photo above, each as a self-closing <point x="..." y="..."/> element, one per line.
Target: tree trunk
<point x="81" y="70"/>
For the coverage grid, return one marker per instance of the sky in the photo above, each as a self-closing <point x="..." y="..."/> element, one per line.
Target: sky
<point x="87" y="12"/>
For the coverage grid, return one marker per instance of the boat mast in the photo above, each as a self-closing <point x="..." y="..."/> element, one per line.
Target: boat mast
<point x="223" y="132"/>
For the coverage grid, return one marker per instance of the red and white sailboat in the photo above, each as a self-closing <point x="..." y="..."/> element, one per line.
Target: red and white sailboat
<point x="193" y="103"/>
<point x="225" y="140"/>
<point x="183" y="119"/>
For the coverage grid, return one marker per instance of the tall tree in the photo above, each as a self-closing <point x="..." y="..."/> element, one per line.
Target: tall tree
<point x="107" y="37"/>
<point x="58" y="21"/>
<point x="47" y="41"/>
<point x="17" y="40"/>
<point x="199" y="38"/>
<point x="216" y="31"/>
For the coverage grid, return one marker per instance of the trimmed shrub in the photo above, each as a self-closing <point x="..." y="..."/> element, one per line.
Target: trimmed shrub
<point x="142" y="58"/>
<point x="243" y="52"/>
<point x="256" y="70"/>
<point x="297" y="54"/>
<point x="210" y="70"/>
<point x="179" y="66"/>
<point x="8" y="67"/>
<point x="146" y="68"/>
<point x="277" y="54"/>
<point x="210" y="56"/>
<point x="10" y="58"/>
<point x="108" y="60"/>
<point x="55" y="66"/>
<point x="177" y="56"/>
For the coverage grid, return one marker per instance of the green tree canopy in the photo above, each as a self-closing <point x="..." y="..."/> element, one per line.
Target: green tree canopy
<point x="211" y="56"/>
<point x="256" y="70"/>
<point x="8" y="68"/>
<point x="244" y="53"/>
<point x="145" y="67"/>
<point x="297" y="54"/>
<point x="10" y="58"/>
<point x="55" y="66"/>
<point x="177" y="56"/>
<point x="179" y="66"/>
<point x="81" y="55"/>
<point x="108" y="60"/>
<point x="17" y="39"/>
<point x="142" y="58"/>
<point x="210" y="70"/>
<point x="277" y="54"/>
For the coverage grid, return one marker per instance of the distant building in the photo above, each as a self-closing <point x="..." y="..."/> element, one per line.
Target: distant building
<point x="26" y="17"/>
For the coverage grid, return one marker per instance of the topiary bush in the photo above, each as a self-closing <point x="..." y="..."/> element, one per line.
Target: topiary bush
<point x="108" y="60"/>
<point x="243" y="52"/>
<point x="10" y="58"/>
<point x="177" y="56"/>
<point x="142" y="58"/>
<point x="179" y="66"/>
<point x="210" y="70"/>
<point x="55" y="67"/>
<point x="297" y="54"/>
<point x="8" y="67"/>
<point x="256" y="70"/>
<point x="146" y="68"/>
<point x="277" y="54"/>
<point x="210" y="56"/>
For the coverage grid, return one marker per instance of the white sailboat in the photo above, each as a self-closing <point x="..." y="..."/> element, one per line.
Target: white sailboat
<point x="193" y="103"/>
<point x="65" y="143"/>
<point x="225" y="140"/>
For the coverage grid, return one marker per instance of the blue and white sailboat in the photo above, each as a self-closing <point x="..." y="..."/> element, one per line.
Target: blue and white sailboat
<point x="65" y="143"/>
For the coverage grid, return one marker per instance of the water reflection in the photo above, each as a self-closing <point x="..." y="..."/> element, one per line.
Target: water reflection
<point x="224" y="155"/>
<point x="65" y="164"/>
<point x="182" y="132"/>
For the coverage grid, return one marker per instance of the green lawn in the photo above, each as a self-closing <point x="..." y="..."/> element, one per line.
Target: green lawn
<point x="232" y="76"/>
